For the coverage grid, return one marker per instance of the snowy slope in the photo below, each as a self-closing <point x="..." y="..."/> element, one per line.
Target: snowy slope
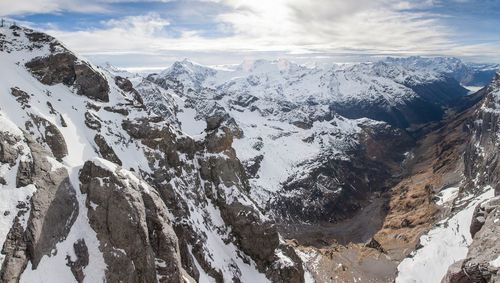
<point x="122" y="127"/>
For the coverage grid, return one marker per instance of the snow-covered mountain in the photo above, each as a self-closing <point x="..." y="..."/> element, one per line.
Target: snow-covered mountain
<point x="468" y="74"/>
<point x="384" y="91"/>
<point x="267" y="171"/>
<point x="96" y="187"/>
<point x="295" y="124"/>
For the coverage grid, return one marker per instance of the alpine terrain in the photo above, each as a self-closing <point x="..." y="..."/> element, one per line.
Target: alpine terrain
<point x="265" y="171"/>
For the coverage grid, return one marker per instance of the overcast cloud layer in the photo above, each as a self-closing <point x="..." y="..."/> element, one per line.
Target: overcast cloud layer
<point x="228" y="31"/>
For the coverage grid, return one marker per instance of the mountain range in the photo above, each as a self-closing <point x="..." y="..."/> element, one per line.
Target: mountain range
<point x="266" y="171"/>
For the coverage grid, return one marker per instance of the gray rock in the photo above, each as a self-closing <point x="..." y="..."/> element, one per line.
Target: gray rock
<point x="21" y="96"/>
<point x="81" y="261"/>
<point x="105" y="150"/>
<point x="16" y="254"/>
<point x="53" y="211"/>
<point x="132" y="226"/>
<point x="65" y="68"/>
<point x="92" y="121"/>
<point x="252" y="165"/>
<point x="124" y="84"/>
<point x="8" y="153"/>
<point x="54" y="207"/>
<point x="51" y="136"/>
<point x="24" y="174"/>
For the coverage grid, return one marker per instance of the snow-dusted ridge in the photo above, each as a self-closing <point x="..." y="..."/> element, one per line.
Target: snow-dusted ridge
<point x="80" y="114"/>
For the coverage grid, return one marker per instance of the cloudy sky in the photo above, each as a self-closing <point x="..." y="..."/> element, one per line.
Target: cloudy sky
<point x="138" y="33"/>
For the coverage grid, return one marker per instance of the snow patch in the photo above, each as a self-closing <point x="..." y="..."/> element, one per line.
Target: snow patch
<point x="447" y="195"/>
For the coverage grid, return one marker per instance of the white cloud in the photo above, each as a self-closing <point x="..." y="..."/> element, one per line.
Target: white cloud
<point x="17" y="7"/>
<point x="145" y="25"/>
<point x="286" y="27"/>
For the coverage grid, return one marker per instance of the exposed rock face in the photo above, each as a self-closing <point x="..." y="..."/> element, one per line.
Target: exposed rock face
<point x="53" y="211"/>
<point x="90" y="83"/>
<point x="67" y="69"/>
<point x="124" y="84"/>
<point x="138" y="243"/>
<point x="54" y="69"/>
<point x="8" y="152"/>
<point x="16" y="254"/>
<point x="105" y="150"/>
<point x="92" y="121"/>
<point x="50" y="135"/>
<point x="21" y="96"/>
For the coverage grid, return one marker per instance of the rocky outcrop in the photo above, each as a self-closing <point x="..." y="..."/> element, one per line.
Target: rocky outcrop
<point x="16" y="254"/>
<point x="65" y="68"/>
<point x="81" y="261"/>
<point x="219" y="119"/>
<point x="21" y="97"/>
<point x="105" y="150"/>
<point x="8" y="152"/>
<point x="51" y="136"/>
<point x="132" y="224"/>
<point x="53" y="210"/>
<point x="92" y="121"/>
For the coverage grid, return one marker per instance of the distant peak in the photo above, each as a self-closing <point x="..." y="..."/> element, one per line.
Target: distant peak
<point x="281" y="64"/>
